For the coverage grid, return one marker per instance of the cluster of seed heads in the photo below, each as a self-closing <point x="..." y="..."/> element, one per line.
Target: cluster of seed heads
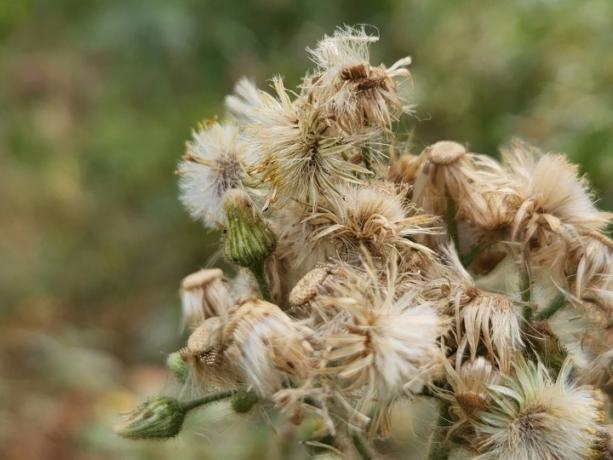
<point x="369" y="273"/>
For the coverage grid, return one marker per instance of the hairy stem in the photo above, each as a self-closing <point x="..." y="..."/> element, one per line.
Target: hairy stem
<point x="260" y="277"/>
<point x="552" y="308"/>
<point x="438" y="449"/>
<point x="210" y="398"/>
<point x="361" y="447"/>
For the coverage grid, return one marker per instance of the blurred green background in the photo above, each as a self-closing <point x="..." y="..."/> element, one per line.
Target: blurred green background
<point x="96" y="101"/>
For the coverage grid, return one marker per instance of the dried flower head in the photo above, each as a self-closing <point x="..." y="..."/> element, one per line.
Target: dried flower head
<point x="375" y="218"/>
<point x="204" y="294"/>
<point x="258" y="345"/>
<point x="380" y="344"/>
<point x="556" y="207"/>
<point x="266" y="345"/>
<point x="300" y="156"/>
<point x="588" y="271"/>
<point x="483" y="320"/>
<point x="450" y="179"/>
<point x="205" y="355"/>
<point x="469" y="393"/>
<point x="536" y="417"/>
<point x="215" y="161"/>
<point x="356" y="93"/>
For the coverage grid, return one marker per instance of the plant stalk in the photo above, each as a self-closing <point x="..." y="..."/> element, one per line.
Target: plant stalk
<point x="210" y="398"/>
<point x="551" y="309"/>
<point x="260" y="277"/>
<point x="361" y="447"/>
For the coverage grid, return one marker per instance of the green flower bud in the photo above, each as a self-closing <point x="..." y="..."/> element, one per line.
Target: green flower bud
<point x="243" y="401"/>
<point x="249" y="241"/>
<point x="160" y="418"/>
<point x="178" y="367"/>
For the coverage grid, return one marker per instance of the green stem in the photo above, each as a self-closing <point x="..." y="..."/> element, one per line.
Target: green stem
<point x="210" y="398"/>
<point x="526" y="291"/>
<point x="438" y="448"/>
<point x="361" y="447"/>
<point x="552" y="308"/>
<point x="452" y="226"/>
<point x="260" y="277"/>
<point x="468" y="259"/>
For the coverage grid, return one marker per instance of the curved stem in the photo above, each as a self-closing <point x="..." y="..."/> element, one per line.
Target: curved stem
<point x="260" y="277"/>
<point x="210" y="398"/>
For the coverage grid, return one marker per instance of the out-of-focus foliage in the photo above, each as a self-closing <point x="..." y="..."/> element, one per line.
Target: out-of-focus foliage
<point x="96" y="100"/>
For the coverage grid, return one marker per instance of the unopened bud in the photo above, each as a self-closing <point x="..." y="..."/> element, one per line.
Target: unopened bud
<point x="243" y="401"/>
<point x="249" y="240"/>
<point x="160" y="418"/>
<point x="177" y="366"/>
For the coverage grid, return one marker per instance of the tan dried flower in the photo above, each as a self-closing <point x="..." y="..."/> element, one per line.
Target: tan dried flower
<point x="557" y="208"/>
<point x="469" y="394"/>
<point x="215" y="161"/>
<point x="482" y="319"/>
<point x="258" y="345"/>
<point x="204" y="294"/>
<point x="534" y="416"/>
<point x="380" y="345"/>
<point x="375" y="218"/>
<point x="356" y="93"/>
<point x="299" y="155"/>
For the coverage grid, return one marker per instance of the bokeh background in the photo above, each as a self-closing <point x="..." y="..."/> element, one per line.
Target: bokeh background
<point x="96" y="102"/>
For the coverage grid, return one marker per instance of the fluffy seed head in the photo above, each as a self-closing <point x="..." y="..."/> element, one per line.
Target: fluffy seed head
<point x="380" y="343"/>
<point x="482" y="319"/>
<point x="556" y="207"/>
<point x="375" y="218"/>
<point x="356" y="93"/>
<point x="536" y="417"/>
<point x="215" y="161"/>
<point x="300" y="156"/>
